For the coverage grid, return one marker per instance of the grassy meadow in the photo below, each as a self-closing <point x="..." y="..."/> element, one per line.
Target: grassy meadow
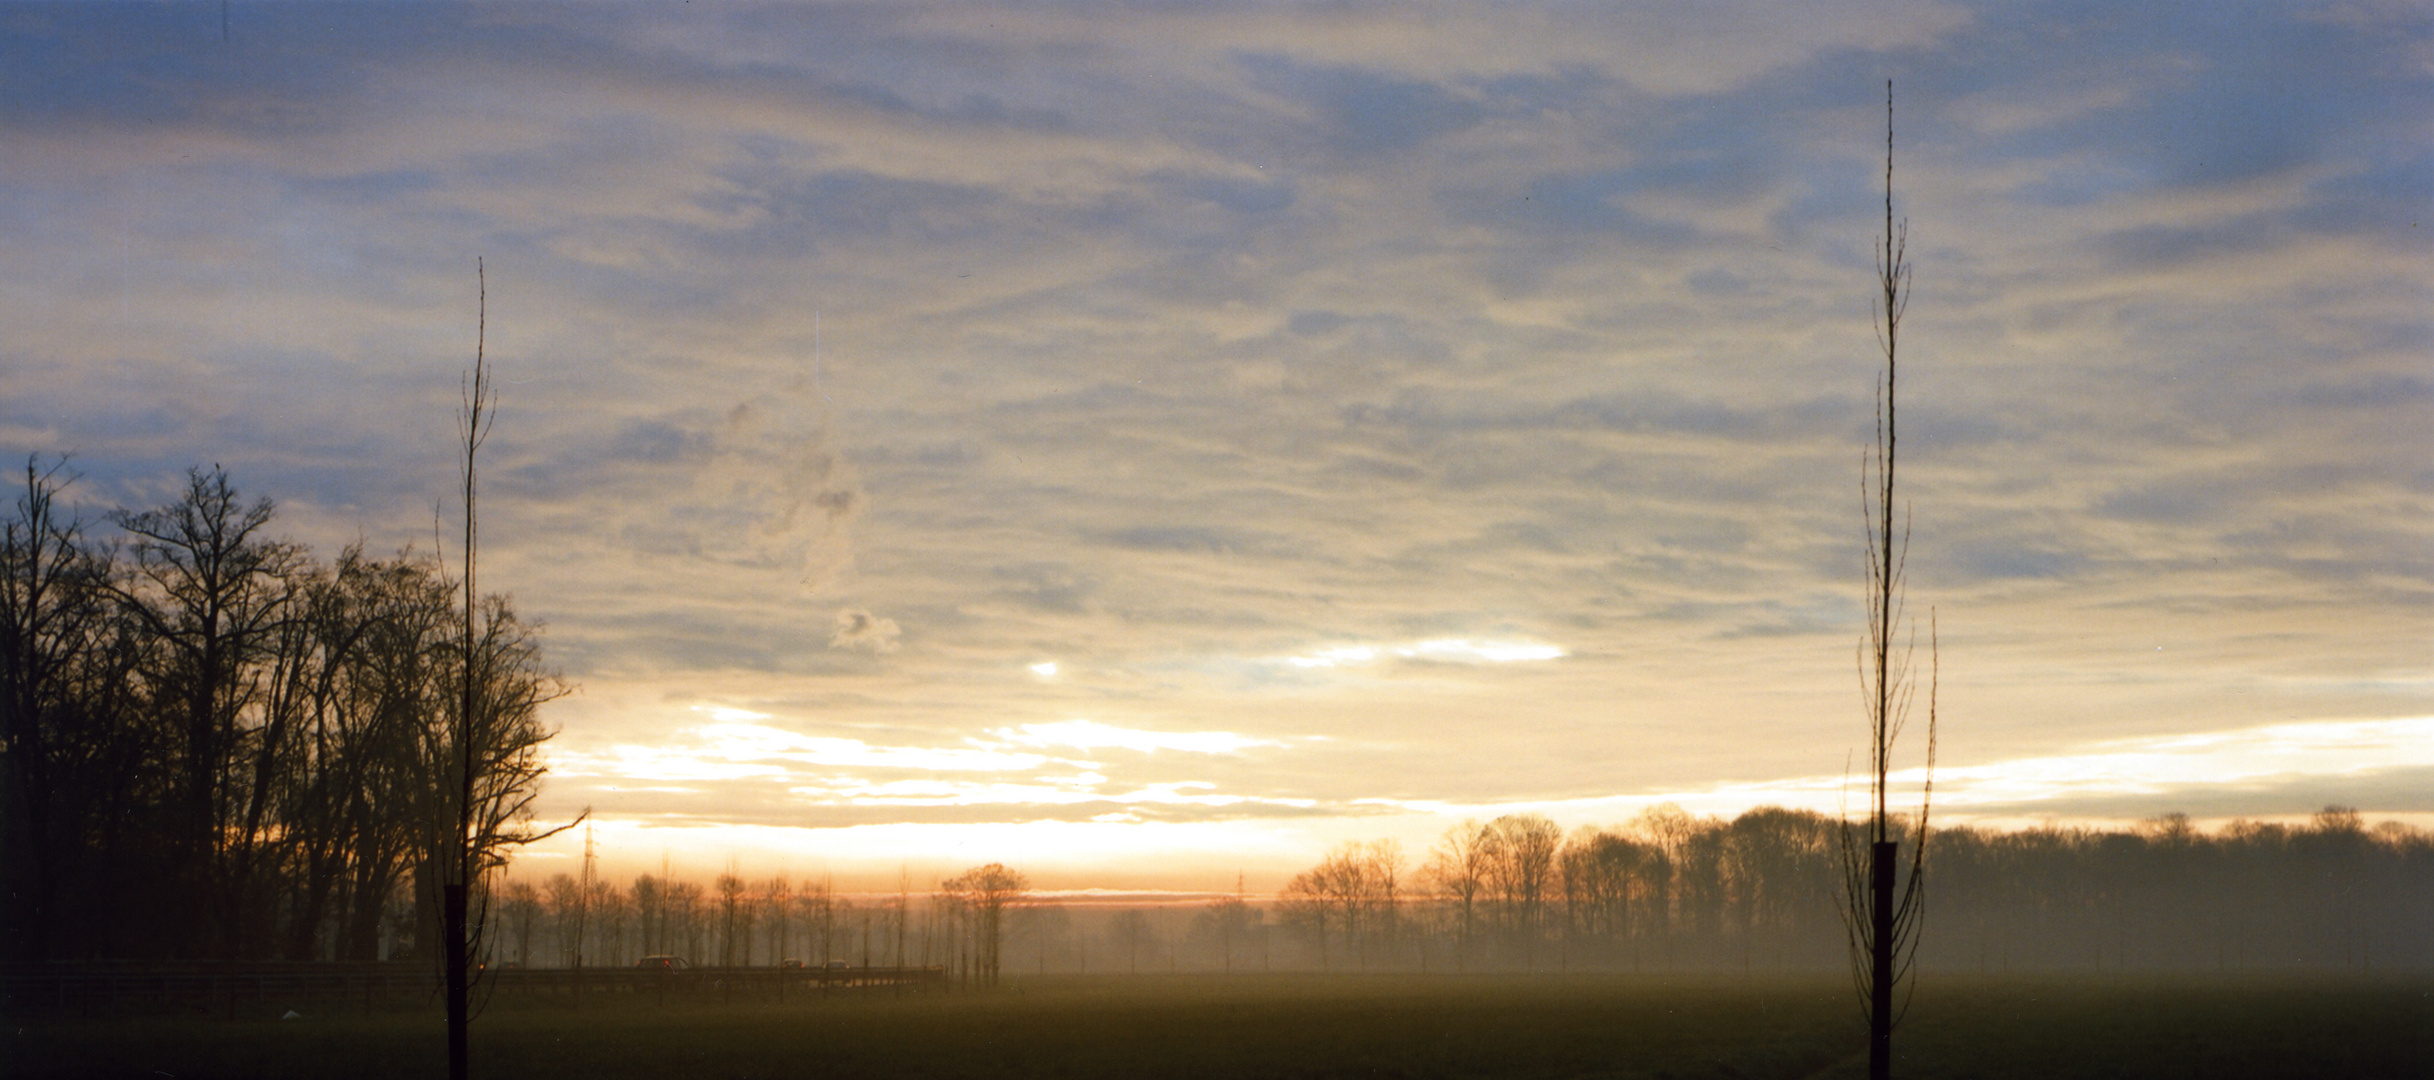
<point x="1321" y="1026"/>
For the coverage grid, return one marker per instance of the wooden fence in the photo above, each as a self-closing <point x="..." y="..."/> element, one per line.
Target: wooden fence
<point x="248" y="987"/>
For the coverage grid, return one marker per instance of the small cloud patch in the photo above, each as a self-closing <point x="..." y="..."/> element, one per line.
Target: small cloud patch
<point x="859" y="629"/>
<point x="1443" y="649"/>
<point x="1092" y="735"/>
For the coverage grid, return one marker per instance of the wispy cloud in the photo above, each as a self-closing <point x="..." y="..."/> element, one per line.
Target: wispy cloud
<point x="1301" y="377"/>
<point x="2242" y="772"/>
<point x="1092" y="735"/>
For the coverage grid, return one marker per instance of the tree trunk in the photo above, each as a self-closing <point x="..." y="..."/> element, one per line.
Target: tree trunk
<point x="452" y="916"/>
<point x="1882" y="860"/>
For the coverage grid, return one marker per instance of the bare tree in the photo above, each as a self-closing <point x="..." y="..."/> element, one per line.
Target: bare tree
<point x="818" y="909"/>
<point x="650" y="902"/>
<point x="1521" y="875"/>
<point x="610" y="912"/>
<point x="62" y="743"/>
<point x="1457" y="870"/>
<point x="1385" y="864"/>
<point x="984" y="893"/>
<point x="686" y="919"/>
<point x="587" y="889"/>
<point x="212" y="588"/>
<point x="563" y="894"/>
<point x="902" y="915"/>
<point x="1344" y="882"/>
<point x="369" y="780"/>
<point x="520" y="904"/>
<point x="1304" y="905"/>
<point x="1126" y="931"/>
<point x="491" y="769"/>
<point x="459" y="939"/>
<point x="1356" y="888"/>
<point x="261" y="730"/>
<point x="777" y="899"/>
<point x="1882" y="901"/>
<point x="1226" y="919"/>
<point x="1596" y="869"/>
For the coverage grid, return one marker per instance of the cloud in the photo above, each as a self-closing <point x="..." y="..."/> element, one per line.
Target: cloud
<point x="859" y="629"/>
<point x="1091" y="735"/>
<point x="1173" y="341"/>
<point x="2271" y="770"/>
<point x="1441" y="650"/>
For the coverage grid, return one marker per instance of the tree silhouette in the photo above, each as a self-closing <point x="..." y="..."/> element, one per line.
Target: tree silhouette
<point x="1457" y="871"/>
<point x="983" y="894"/>
<point x="212" y="589"/>
<point x="1125" y="931"/>
<point x="1521" y="876"/>
<point x="460" y="939"/>
<point x="490" y="769"/>
<point x="1227" y="919"/>
<point x="1883" y="900"/>
<point x="58" y="737"/>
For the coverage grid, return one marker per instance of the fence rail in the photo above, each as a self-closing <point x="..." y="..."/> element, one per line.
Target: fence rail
<point x="227" y="987"/>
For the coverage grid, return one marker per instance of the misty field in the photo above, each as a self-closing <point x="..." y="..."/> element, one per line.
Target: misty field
<point x="1317" y="1026"/>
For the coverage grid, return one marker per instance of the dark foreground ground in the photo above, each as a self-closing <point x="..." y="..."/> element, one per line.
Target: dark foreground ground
<point x="1317" y="1026"/>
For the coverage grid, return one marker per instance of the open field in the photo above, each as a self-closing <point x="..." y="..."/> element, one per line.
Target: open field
<point x="1316" y="1026"/>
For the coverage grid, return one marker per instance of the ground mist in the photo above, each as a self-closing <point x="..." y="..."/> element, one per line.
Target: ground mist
<point x="1322" y="1026"/>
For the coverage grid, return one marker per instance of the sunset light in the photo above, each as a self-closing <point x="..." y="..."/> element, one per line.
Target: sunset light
<point x="1090" y="735"/>
<point x="1122" y="492"/>
<point x="1447" y="649"/>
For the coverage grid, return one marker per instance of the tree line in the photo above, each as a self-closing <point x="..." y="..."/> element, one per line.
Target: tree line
<point x="1762" y="890"/>
<point x="566" y="920"/>
<point x="1665" y="892"/>
<point x="580" y="920"/>
<point x="215" y="745"/>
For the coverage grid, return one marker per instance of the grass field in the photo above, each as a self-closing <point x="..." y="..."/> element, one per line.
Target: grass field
<point x="1305" y="1026"/>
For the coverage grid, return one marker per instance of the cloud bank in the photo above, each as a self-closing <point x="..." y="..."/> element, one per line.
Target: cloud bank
<point x="1170" y="345"/>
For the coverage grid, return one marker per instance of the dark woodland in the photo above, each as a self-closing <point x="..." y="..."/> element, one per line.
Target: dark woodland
<point x="218" y="746"/>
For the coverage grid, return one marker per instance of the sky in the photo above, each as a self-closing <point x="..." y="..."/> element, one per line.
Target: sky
<point x="1147" y="443"/>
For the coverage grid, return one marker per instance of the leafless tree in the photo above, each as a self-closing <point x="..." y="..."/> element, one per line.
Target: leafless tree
<point x="520" y="906"/>
<point x="563" y="895"/>
<point x="1596" y="867"/>
<point x="650" y="903"/>
<point x="777" y="901"/>
<point x="1343" y="879"/>
<point x="984" y="893"/>
<point x="1457" y="870"/>
<point x="612" y="912"/>
<point x="1882" y="899"/>
<point x="814" y="904"/>
<point x="1227" y="919"/>
<point x="1126" y="931"/>
<point x="588" y="890"/>
<point x="460" y="939"/>
<point x="1355" y="888"/>
<point x="66" y="746"/>
<point x="490" y="768"/>
<point x="1304" y="906"/>
<point x="734" y="919"/>
<point x="1521" y="876"/>
<point x="903" y="915"/>
<point x="1386" y="864"/>
<point x="212" y="589"/>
